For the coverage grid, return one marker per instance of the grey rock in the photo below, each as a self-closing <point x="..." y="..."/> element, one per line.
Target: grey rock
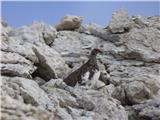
<point x="98" y="31"/>
<point x="23" y="39"/>
<point x="84" y="103"/>
<point x="26" y="90"/>
<point x="12" y="109"/>
<point x="39" y="81"/>
<point x="143" y="44"/>
<point x="120" y="22"/>
<point x="49" y="34"/>
<point x="129" y="64"/>
<point x="50" y="64"/>
<point x="63" y="114"/>
<point x="137" y="90"/>
<point x="69" y="22"/>
<point x="13" y="64"/>
<point x="78" y="101"/>
<point x="105" y="106"/>
<point x="149" y="110"/>
<point x="74" y="47"/>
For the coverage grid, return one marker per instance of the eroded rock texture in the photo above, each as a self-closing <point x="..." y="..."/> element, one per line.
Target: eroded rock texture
<point x="36" y="58"/>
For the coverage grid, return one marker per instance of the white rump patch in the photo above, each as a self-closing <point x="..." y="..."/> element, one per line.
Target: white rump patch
<point x="85" y="77"/>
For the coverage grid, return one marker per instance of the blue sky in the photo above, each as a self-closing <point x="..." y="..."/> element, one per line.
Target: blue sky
<point x="22" y="13"/>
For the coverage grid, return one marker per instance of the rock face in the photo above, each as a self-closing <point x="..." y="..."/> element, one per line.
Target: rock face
<point x="50" y="64"/>
<point x="12" y="109"/>
<point x="96" y="105"/>
<point x="149" y="110"/>
<point x="36" y="58"/>
<point x="137" y="90"/>
<point x="26" y="90"/>
<point x="13" y="64"/>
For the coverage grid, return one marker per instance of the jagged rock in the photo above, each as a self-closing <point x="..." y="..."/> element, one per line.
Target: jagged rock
<point x="143" y="44"/>
<point x="63" y="114"/>
<point x="98" y="31"/>
<point x="50" y="65"/>
<point x="55" y="83"/>
<point x="61" y="97"/>
<point x="100" y="105"/>
<point x="74" y="46"/>
<point x="136" y="90"/>
<point x="69" y="22"/>
<point x="131" y="56"/>
<point x="23" y="39"/>
<point x="149" y="110"/>
<point x="5" y="30"/>
<point x="80" y="114"/>
<point x="154" y="22"/>
<point x="139" y="22"/>
<point x="26" y="90"/>
<point x="39" y="81"/>
<point x="120" y="22"/>
<point x="49" y="34"/>
<point x="13" y="64"/>
<point x="12" y="109"/>
<point x="104" y="106"/>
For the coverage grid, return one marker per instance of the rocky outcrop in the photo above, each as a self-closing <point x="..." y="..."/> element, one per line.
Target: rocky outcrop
<point x="149" y="110"/>
<point x="69" y="22"/>
<point x="120" y="22"/>
<point x="36" y="58"/>
<point x="27" y="91"/>
<point x="136" y="90"/>
<point x="13" y="64"/>
<point x="87" y="103"/>
<point x="74" y="47"/>
<point x="50" y="64"/>
<point x="12" y="109"/>
<point x="22" y="40"/>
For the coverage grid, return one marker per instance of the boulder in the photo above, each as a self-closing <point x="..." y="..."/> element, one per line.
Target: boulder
<point x="12" y="109"/>
<point x="149" y="110"/>
<point x="23" y="39"/>
<point x="85" y="103"/>
<point x="39" y="81"/>
<point x="13" y="64"/>
<point x="50" y="64"/>
<point x="137" y="90"/>
<point x="69" y="22"/>
<point x="143" y="44"/>
<point x="98" y="31"/>
<point x="120" y="22"/>
<point x="74" y="47"/>
<point x="26" y="90"/>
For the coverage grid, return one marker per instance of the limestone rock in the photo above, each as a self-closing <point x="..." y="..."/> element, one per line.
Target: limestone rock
<point x="74" y="47"/>
<point x="26" y="90"/>
<point x="147" y="110"/>
<point x="23" y="39"/>
<point x="69" y="22"/>
<point x="143" y="44"/>
<point x="39" y="81"/>
<point x="13" y="64"/>
<point x="12" y="109"/>
<point x="136" y="90"/>
<point x="50" y="65"/>
<point x="98" y="31"/>
<point x="79" y="101"/>
<point x="120" y="22"/>
<point x="130" y="64"/>
<point x="104" y="107"/>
